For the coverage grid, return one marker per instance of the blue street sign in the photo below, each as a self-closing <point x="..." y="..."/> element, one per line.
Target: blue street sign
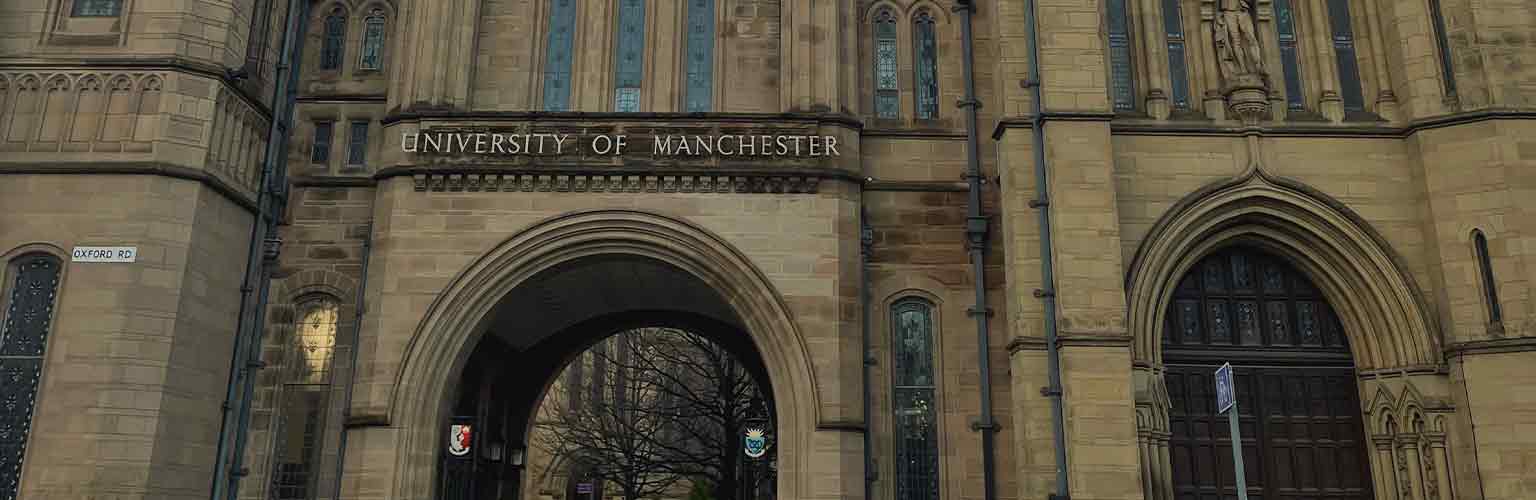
<point x="1225" y="396"/>
<point x="584" y="488"/>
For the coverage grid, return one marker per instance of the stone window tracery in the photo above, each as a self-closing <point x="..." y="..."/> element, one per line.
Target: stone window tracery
<point x="1290" y="66"/>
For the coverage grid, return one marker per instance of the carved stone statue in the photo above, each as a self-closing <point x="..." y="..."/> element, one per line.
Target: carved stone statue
<point x="1237" y="43"/>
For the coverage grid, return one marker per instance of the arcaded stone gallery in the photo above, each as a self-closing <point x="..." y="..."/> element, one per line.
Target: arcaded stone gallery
<point x="345" y="249"/>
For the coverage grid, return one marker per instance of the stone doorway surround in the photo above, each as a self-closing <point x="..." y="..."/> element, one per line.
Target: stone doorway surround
<point x="1393" y="338"/>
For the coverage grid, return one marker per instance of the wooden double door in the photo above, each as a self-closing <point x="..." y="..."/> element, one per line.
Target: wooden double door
<point x="1299" y="412"/>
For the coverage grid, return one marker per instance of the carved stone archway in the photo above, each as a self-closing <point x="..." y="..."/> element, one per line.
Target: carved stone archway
<point x="454" y="324"/>
<point x="1388" y="324"/>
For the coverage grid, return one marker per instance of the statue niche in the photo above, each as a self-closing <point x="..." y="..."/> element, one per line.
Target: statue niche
<point x="1239" y="59"/>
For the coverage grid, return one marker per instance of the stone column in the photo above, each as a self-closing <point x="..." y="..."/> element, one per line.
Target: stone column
<point x="1330" y="103"/>
<point x="816" y="42"/>
<point x="1148" y="19"/>
<point x="437" y="47"/>
<point x="1386" y="99"/>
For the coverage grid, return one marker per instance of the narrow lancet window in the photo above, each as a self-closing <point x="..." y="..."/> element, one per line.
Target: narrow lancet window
<point x="915" y="406"/>
<point x="1285" y="26"/>
<point x="700" y="79"/>
<point x="926" y="41"/>
<point x="1447" y="71"/>
<point x="886" y="94"/>
<point x="373" y="42"/>
<point x="31" y="290"/>
<point x="335" y="38"/>
<point x="1344" y="50"/>
<point x="1178" y="78"/>
<point x="629" y="54"/>
<point x="557" y="55"/>
<point x="1490" y="286"/>
<point x="1121" y="83"/>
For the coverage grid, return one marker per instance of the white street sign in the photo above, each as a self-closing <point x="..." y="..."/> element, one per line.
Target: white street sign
<point x="104" y="254"/>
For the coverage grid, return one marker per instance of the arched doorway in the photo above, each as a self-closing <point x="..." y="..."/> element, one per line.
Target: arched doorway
<point x="1295" y="381"/>
<point x="565" y="329"/>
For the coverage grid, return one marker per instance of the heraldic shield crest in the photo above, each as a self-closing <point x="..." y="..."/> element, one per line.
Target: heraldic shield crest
<point x="458" y="440"/>
<point x="755" y="442"/>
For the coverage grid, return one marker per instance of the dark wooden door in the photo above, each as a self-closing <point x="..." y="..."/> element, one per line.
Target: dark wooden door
<point x="1298" y="410"/>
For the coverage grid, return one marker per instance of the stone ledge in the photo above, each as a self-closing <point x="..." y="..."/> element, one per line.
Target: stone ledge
<point x="1495" y="346"/>
<point x="135" y="168"/>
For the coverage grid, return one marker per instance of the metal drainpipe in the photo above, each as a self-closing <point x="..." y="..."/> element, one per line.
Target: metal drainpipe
<point x="247" y="358"/>
<point x="976" y="229"/>
<point x="357" y="333"/>
<point x="866" y="244"/>
<point x="1047" y="293"/>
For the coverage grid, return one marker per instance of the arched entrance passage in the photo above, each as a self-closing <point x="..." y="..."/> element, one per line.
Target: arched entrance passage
<point x="1298" y="409"/>
<point x="527" y="277"/>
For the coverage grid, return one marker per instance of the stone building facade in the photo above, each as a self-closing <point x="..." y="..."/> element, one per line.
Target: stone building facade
<point x="1335" y="196"/>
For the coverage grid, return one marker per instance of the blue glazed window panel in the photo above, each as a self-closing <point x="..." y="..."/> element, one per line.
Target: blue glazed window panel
<point x="699" y="81"/>
<point x="557" y="55"/>
<point x="629" y="50"/>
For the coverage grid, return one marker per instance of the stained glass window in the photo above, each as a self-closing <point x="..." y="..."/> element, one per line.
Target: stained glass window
<point x="916" y="415"/>
<point x="1173" y="29"/>
<point x="886" y="100"/>
<point x="698" y="94"/>
<point x="321" y="152"/>
<point x="30" y="296"/>
<point x="926" y="40"/>
<point x="307" y="382"/>
<point x="373" y="41"/>
<point x="1285" y="25"/>
<point x="1485" y="268"/>
<point x="1447" y="72"/>
<point x="1245" y="297"/>
<point x="97" y="8"/>
<point x="1344" y="49"/>
<point x="629" y="51"/>
<point x="1122" y="86"/>
<point x="335" y="39"/>
<point x="557" y="55"/>
<point x="357" y="143"/>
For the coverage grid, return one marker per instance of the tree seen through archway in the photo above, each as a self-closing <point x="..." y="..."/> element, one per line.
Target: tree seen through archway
<point x="656" y="413"/>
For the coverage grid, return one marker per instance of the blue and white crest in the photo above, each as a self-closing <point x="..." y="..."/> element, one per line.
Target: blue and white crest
<point x="755" y="442"/>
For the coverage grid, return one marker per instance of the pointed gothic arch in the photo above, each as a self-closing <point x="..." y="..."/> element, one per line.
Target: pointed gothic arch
<point x="414" y="404"/>
<point x="1385" y="318"/>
